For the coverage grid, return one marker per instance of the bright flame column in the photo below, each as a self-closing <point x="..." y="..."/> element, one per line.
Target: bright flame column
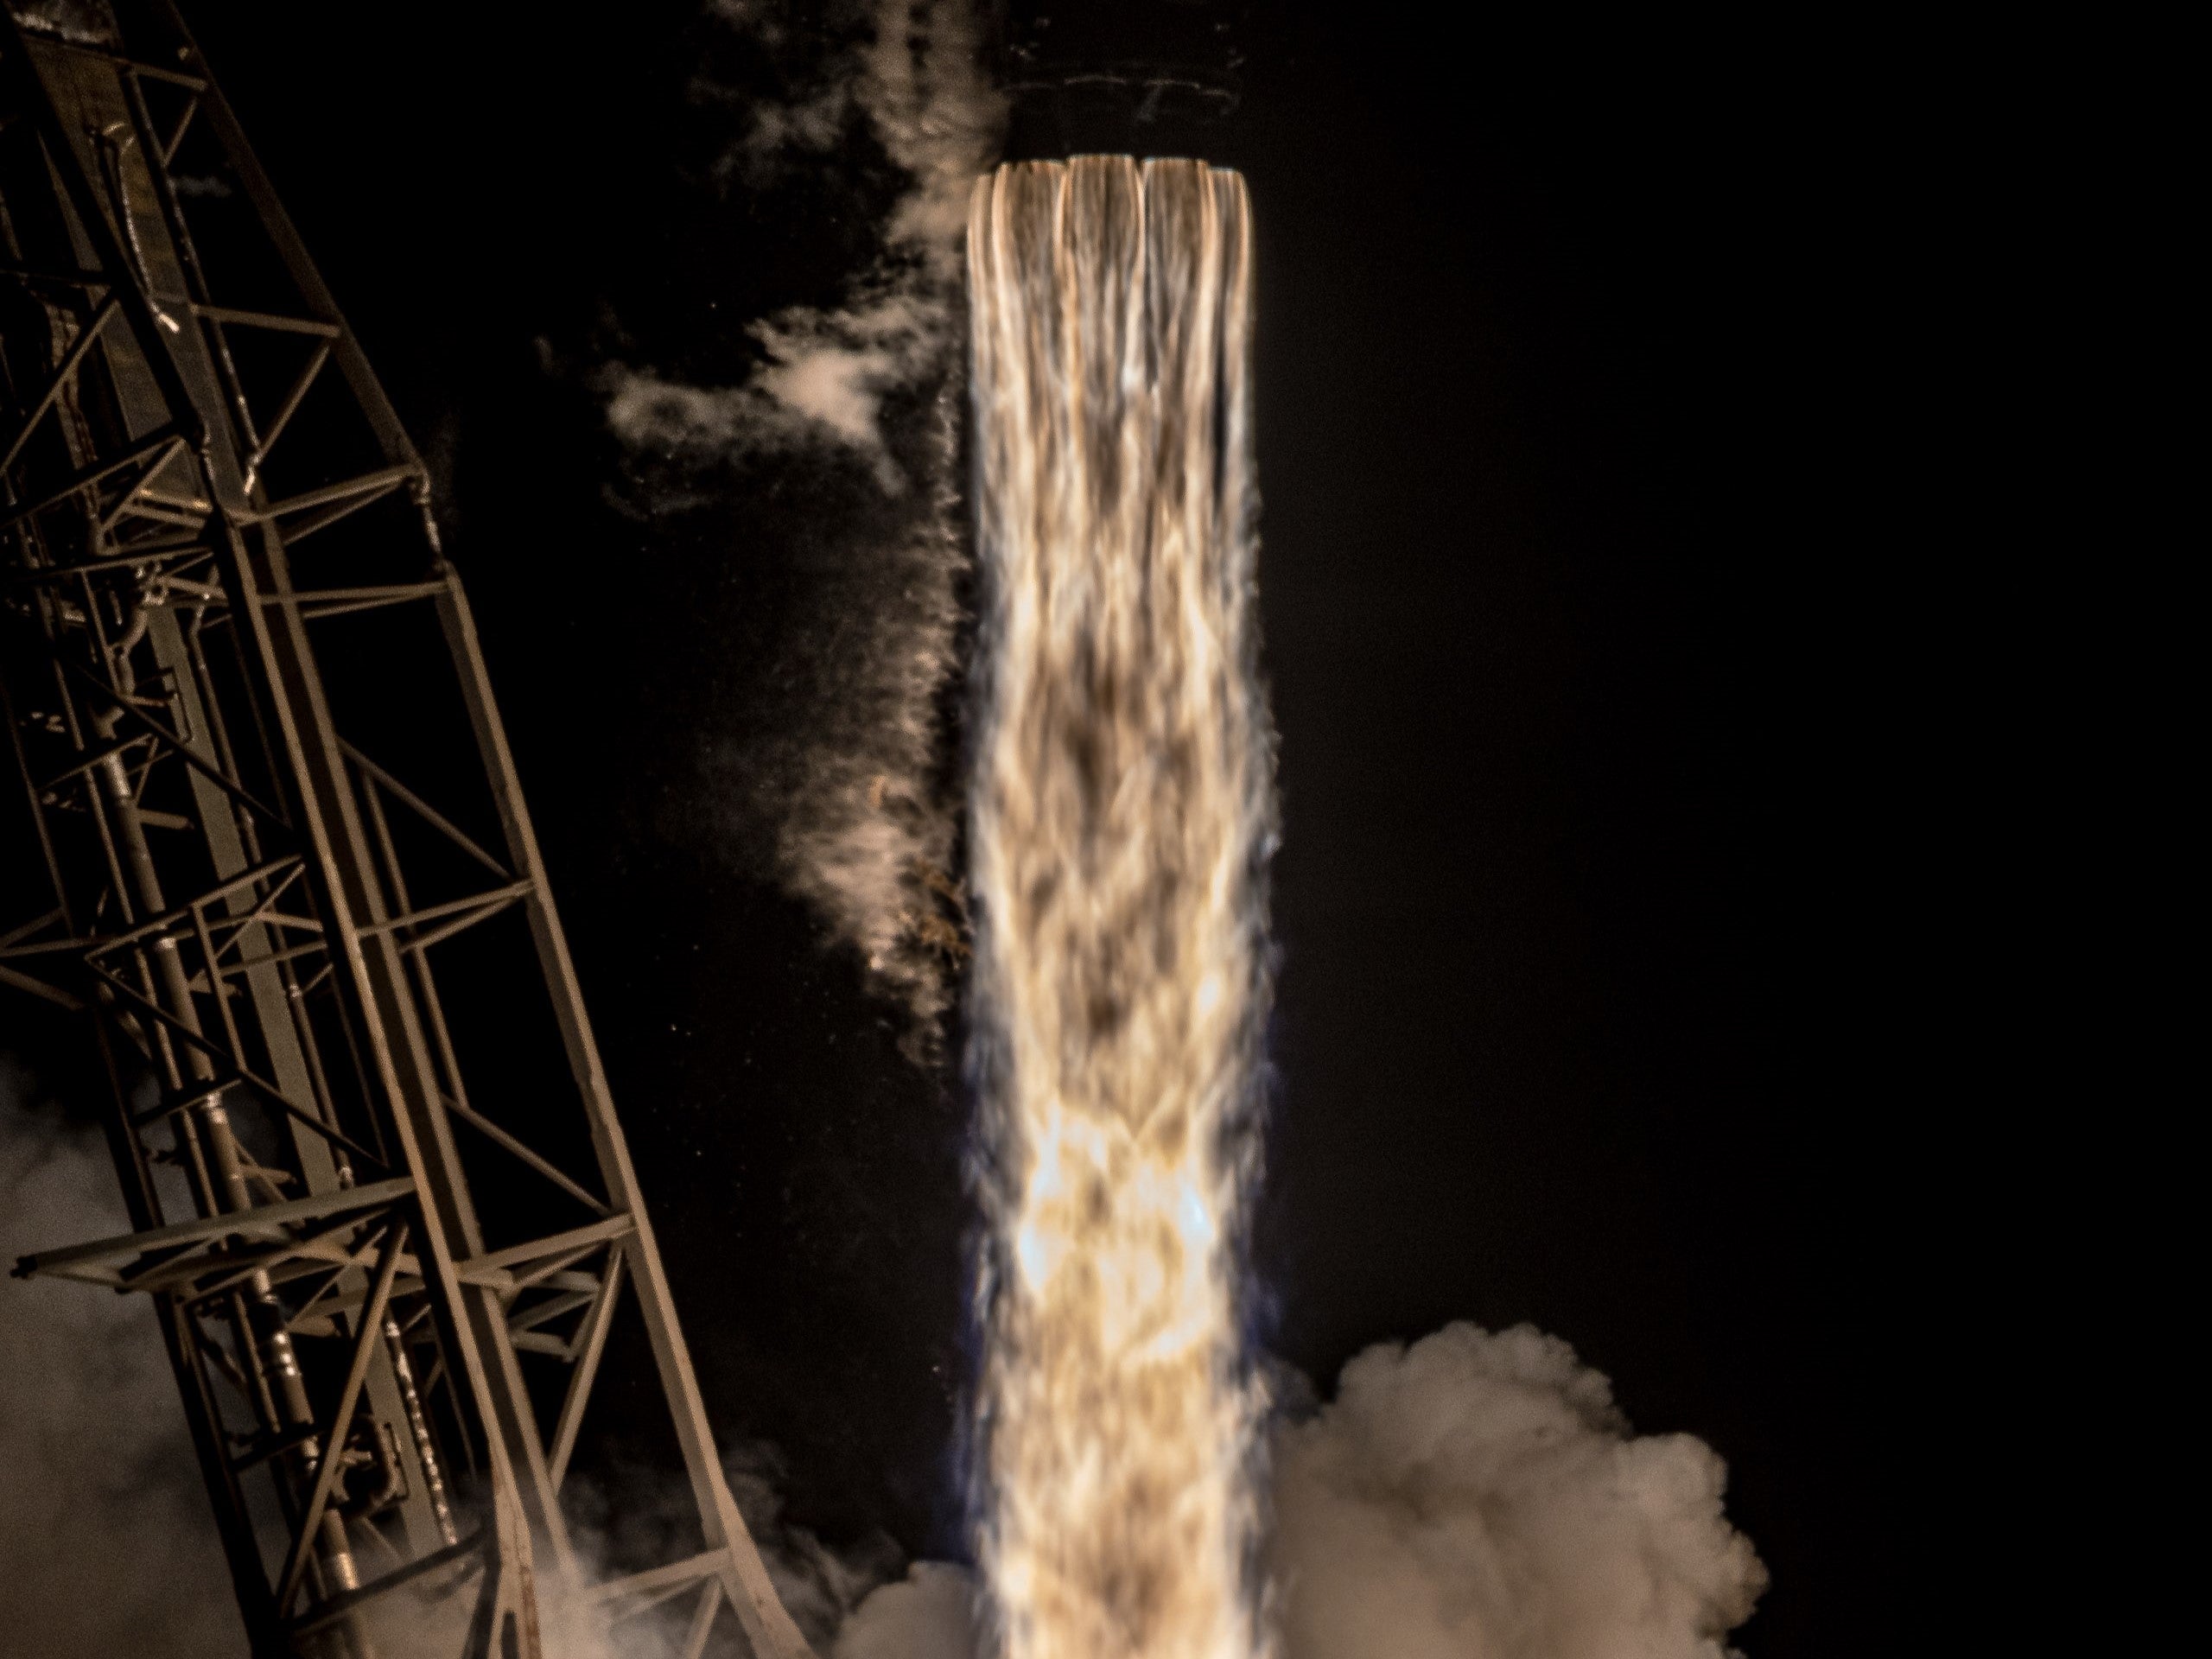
<point x="1121" y="814"/>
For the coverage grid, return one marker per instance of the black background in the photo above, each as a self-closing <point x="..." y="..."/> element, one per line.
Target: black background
<point x="1569" y="350"/>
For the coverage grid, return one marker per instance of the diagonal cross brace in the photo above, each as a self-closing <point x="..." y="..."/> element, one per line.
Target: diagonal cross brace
<point x="266" y="1221"/>
<point x="370" y="1331"/>
<point x="87" y="337"/>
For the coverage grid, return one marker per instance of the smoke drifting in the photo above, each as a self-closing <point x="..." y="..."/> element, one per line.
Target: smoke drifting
<point x="106" y="1546"/>
<point x="1474" y="1496"/>
<point x="851" y="793"/>
<point x="929" y="1614"/>
<point x="855" y="1602"/>
<point x="1478" y="1496"/>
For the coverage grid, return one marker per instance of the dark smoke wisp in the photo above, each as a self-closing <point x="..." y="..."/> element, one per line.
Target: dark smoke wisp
<point x="850" y="796"/>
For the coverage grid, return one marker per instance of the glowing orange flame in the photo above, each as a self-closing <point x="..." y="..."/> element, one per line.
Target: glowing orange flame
<point x="1121" y="809"/>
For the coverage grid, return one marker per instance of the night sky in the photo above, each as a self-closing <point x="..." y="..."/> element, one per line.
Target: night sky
<point x="1564" y="348"/>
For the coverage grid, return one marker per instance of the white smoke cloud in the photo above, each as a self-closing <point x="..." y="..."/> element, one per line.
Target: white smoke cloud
<point x="819" y="1586"/>
<point x="821" y="382"/>
<point x="106" y="1543"/>
<point x="918" y="82"/>
<point x="1475" y="1495"/>
<point x="1478" y="1496"/>
<point x="929" y="1614"/>
<point x="917" y="79"/>
<point x="854" y="1601"/>
<point x="864" y="826"/>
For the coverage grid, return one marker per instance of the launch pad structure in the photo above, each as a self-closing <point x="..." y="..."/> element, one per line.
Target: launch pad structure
<point x="380" y="1200"/>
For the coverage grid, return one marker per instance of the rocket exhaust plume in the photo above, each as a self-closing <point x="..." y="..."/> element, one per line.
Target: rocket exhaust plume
<point x="1121" y="813"/>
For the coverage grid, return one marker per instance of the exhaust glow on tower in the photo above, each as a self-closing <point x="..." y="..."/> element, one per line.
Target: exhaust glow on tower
<point x="1121" y="813"/>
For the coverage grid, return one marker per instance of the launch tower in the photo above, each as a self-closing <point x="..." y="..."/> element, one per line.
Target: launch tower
<point x="380" y="1200"/>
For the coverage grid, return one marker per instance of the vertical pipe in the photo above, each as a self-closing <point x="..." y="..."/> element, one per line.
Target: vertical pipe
<point x="265" y="1346"/>
<point x="418" y="1426"/>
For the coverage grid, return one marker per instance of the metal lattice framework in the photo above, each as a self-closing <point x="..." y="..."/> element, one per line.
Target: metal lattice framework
<point x="389" y="1296"/>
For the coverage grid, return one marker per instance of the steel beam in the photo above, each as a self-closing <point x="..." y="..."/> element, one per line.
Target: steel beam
<point x="225" y="896"/>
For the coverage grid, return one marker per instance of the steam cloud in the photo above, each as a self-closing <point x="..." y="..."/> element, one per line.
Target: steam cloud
<point x="1474" y="1496"/>
<point x="1479" y="1497"/>
<point x="106" y="1543"/>
<point x="853" y="1603"/>
<point x="857" y="1602"/>
<point x="106" y="1546"/>
<point x="861" y="820"/>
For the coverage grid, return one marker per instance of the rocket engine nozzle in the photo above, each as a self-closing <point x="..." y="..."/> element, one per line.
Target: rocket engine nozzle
<point x="1143" y="78"/>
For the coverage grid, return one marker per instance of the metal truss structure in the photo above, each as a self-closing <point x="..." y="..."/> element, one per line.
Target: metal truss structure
<point x="380" y="1200"/>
